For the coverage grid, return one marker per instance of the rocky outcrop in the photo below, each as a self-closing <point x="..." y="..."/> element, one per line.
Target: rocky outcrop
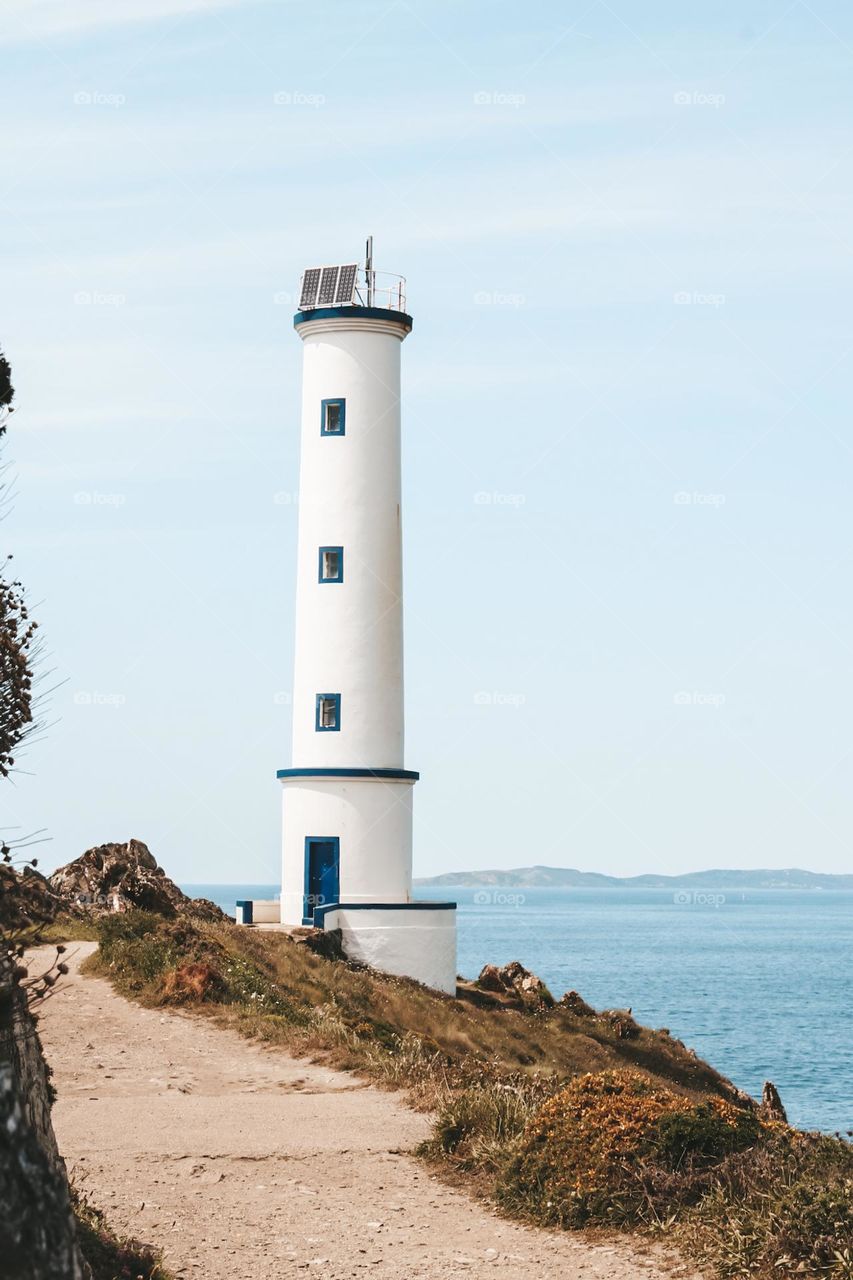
<point x="574" y="1003"/>
<point x="621" y="1022"/>
<point x="118" y="877"/>
<point x="518" y="983"/>
<point x="771" y="1108"/>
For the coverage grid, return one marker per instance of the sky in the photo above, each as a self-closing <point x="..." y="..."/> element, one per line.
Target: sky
<point x="628" y="241"/>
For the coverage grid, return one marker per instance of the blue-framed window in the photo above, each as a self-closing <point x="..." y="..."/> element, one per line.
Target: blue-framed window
<point x="331" y="564"/>
<point x="333" y="417"/>
<point x="328" y="713"/>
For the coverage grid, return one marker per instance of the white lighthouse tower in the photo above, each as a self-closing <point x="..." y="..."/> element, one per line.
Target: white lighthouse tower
<point x="347" y="844"/>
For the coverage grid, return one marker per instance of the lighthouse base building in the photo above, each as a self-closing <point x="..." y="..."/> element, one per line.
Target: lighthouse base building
<point x="347" y="799"/>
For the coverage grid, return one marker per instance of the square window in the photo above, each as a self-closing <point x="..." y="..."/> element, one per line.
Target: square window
<point x="328" y="719"/>
<point x="333" y="417"/>
<point x="331" y="567"/>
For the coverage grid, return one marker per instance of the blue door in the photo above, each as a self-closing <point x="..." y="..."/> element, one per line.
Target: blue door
<point x="322" y="874"/>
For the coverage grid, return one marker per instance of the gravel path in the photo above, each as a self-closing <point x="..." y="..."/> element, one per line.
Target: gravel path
<point x="243" y="1163"/>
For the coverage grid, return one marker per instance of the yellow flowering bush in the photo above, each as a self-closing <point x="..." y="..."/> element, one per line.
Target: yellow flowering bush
<point x="593" y="1151"/>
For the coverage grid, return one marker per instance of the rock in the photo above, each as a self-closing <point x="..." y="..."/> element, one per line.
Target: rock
<point x="621" y="1022"/>
<point x="771" y="1108"/>
<point x="119" y="877"/>
<point x="514" y="980"/>
<point x="490" y="979"/>
<point x="573" y="1003"/>
<point x="327" y="944"/>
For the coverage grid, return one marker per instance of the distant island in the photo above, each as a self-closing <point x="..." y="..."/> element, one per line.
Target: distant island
<point x="569" y="878"/>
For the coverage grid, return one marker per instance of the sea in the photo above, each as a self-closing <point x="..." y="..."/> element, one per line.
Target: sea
<point x="758" y="982"/>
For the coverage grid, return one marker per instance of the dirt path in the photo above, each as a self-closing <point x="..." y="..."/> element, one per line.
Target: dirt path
<point x="243" y="1163"/>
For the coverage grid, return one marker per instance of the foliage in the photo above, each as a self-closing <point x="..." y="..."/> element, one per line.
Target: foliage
<point x="17" y="635"/>
<point x="784" y="1207"/>
<point x="585" y="1154"/>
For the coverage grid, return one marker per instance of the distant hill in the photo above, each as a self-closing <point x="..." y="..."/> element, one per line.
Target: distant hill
<point x="569" y="878"/>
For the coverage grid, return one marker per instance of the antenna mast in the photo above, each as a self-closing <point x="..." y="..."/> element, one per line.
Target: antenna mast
<point x="368" y="269"/>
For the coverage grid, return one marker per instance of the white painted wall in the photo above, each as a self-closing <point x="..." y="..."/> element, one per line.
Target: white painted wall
<point x="417" y="944"/>
<point x="373" y="820"/>
<point x="349" y="635"/>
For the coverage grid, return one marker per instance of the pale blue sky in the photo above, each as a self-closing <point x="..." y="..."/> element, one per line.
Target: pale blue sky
<point x="627" y="234"/>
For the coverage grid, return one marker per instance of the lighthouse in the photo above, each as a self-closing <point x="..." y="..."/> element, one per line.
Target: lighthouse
<point x="347" y="796"/>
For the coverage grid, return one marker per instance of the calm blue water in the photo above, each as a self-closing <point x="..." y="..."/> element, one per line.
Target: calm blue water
<point x="758" y="983"/>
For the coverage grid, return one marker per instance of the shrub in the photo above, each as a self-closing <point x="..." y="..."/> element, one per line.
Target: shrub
<point x="190" y="983"/>
<point x="591" y="1153"/>
<point x="785" y="1207"/>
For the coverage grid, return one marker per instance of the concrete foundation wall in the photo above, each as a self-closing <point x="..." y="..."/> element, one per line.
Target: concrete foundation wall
<point x="417" y="942"/>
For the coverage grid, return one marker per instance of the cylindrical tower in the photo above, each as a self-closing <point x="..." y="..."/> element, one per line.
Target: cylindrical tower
<point x="347" y="796"/>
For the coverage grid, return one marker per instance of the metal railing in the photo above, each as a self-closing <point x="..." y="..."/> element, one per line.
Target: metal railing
<point x="380" y="289"/>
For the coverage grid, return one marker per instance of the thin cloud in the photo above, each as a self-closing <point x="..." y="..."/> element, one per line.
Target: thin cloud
<point x="24" y="20"/>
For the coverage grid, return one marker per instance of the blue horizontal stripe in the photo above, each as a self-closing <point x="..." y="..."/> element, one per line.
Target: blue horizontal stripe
<point x="380" y="906"/>
<point x="399" y="774"/>
<point x="354" y="313"/>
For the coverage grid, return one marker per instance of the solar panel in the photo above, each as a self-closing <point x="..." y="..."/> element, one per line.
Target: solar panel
<point x="346" y="283"/>
<point x="328" y="285"/>
<point x="310" y="281"/>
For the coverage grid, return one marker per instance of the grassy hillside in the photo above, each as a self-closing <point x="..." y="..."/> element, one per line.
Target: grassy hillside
<point x="559" y="1114"/>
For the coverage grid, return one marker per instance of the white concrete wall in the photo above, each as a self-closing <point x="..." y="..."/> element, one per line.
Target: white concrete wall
<point x="417" y="943"/>
<point x="349" y="635"/>
<point x="372" y="819"/>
